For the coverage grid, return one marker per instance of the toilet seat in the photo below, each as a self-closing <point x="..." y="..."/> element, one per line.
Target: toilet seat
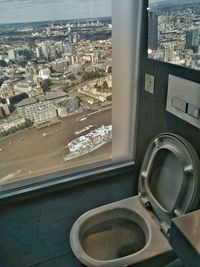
<point x="169" y="178"/>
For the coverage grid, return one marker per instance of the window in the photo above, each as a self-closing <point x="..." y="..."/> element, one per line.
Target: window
<point x="174" y="32"/>
<point x="69" y="80"/>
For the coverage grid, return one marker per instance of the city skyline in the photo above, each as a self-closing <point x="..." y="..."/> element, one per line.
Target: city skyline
<point x="17" y="11"/>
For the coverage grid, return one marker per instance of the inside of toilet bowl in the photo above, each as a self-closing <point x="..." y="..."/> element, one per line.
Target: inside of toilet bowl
<point x="112" y="239"/>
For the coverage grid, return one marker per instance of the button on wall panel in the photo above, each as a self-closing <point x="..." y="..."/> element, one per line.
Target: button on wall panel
<point x="193" y="111"/>
<point x="178" y="104"/>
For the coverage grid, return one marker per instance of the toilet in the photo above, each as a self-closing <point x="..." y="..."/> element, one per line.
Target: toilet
<point x="135" y="231"/>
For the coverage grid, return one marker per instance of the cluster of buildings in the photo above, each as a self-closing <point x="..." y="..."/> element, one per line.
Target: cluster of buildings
<point x="35" y="73"/>
<point x="48" y="107"/>
<point x="95" y="89"/>
<point x="174" y="34"/>
<point x="11" y="122"/>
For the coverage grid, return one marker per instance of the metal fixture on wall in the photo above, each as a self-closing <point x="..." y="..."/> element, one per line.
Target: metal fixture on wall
<point x="149" y="83"/>
<point x="183" y="99"/>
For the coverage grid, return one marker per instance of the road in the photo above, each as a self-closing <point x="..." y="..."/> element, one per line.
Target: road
<point x="35" y="152"/>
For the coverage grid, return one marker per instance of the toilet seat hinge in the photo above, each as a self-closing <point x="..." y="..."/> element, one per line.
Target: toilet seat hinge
<point x="148" y="206"/>
<point x="164" y="228"/>
<point x="147" y="203"/>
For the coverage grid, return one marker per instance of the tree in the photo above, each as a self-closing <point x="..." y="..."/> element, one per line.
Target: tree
<point x="45" y="84"/>
<point x="66" y="88"/>
<point x="73" y="84"/>
<point x="91" y="75"/>
<point x="14" y="129"/>
<point x="28" y="123"/>
<point x="85" y="76"/>
<point x="110" y="69"/>
<point x="109" y="98"/>
<point x="3" y="63"/>
<point x="72" y="77"/>
<point x="105" y="85"/>
<point x="79" y="99"/>
<point x="102" y="71"/>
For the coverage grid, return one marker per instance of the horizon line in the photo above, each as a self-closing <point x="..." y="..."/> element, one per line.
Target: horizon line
<point x="55" y="20"/>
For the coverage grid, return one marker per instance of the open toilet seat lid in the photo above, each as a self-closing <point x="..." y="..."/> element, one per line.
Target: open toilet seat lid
<point x="169" y="179"/>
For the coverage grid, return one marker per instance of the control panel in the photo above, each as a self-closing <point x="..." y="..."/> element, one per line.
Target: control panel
<point x="183" y="99"/>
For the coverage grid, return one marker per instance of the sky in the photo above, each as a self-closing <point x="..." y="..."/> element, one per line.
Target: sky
<point x="13" y="11"/>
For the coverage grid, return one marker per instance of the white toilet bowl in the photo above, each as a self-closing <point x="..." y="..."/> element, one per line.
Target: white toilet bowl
<point x="135" y="231"/>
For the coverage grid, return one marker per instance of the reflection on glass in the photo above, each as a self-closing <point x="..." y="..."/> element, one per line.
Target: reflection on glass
<point x="55" y="86"/>
<point x="174" y="32"/>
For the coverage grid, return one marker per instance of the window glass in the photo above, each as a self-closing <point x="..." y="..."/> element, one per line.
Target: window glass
<point x="174" y="32"/>
<point x="56" y="85"/>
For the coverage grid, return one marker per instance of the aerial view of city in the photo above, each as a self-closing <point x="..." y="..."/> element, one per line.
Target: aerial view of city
<point x="55" y="87"/>
<point x="174" y="32"/>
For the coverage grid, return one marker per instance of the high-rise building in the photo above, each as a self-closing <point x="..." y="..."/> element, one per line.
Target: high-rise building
<point x="153" y="31"/>
<point x="11" y="54"/>
<point x="73" y="38"/>
<point x="68" y="48"/>
<point x="45" y="50"/>
<point x="38" y="52"/>
<point x="59" y="47"/>
<point x="52" y="51"/>
<point x="23" y="53"/>
<point x="193" y="39"/>
<point x="168" y="54"/>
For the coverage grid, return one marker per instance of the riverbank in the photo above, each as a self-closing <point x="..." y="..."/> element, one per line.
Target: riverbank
<point x="35" y="152"/>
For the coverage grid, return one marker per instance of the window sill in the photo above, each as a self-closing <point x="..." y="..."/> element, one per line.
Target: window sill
<point x="61" y="182"/>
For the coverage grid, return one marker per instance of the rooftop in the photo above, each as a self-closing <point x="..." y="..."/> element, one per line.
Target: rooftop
<point x="50" y="96"/>
<point x="25" y="102"/>
<point x="26" y="83"/>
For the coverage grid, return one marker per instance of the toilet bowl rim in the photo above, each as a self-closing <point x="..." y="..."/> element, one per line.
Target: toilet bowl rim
<point x="100" y="210"/>
<point x="83" y="256"/>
